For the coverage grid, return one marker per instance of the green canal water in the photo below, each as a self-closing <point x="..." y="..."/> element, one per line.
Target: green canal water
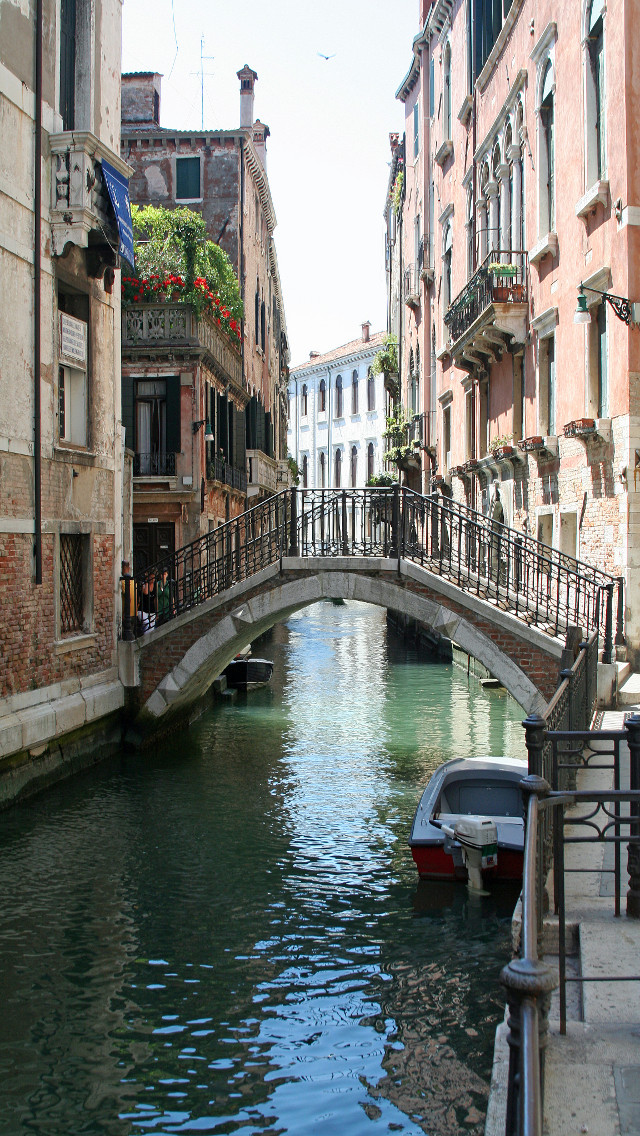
<point x="227" y="934"/>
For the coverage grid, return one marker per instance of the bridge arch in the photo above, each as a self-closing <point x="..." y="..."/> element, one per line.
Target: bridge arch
<point x="176" y="663"/>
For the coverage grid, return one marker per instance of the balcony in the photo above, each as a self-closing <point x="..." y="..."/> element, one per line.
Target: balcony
<point x="157" y="328"/>
<point x="154" y="465"/>
<point x="218" y="469"/>
<point x="411" y="286"/>
<point x="490" y="313"/>
<point x="81" y="210"/>
<point x="263" y="473"/>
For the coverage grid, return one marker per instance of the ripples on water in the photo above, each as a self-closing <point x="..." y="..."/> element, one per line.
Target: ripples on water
<point x="227" y="934"/>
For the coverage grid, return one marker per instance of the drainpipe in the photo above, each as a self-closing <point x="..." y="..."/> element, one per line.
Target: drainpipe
<point x="37" y="297"/>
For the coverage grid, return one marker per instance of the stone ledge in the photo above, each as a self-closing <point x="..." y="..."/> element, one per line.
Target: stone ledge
<point x="57" y="714"/>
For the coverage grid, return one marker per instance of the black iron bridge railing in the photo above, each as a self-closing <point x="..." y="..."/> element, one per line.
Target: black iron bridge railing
<point x="539" y="585"/>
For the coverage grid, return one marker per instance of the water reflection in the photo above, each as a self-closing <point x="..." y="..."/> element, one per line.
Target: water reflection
<point x="228" y="935"/>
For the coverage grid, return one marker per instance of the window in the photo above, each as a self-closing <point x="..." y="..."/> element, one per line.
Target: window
<point x="322" y="396"/>
<point x="598" y="363"/>
<point x="256" y="314"/>
<point x="304" y="400"/>
<point x="354" y="466"/>
<point x="370" y="461"/>
<point x="547" y="153"/>
<point x="305" y="472"/>
<point x="488" y="18"/>
<point x="371" y="390"/>
<point x="446" y="437"/>
<point x="74" y="589"/>
<point x="446" y="82"/>
<point x="188" y="179"/>
<point x="595" y="94"/>
<point x="263" y="326"/>
<point x="432" y="83"/>
<point x="157" y="426"/>
<point x="323" y="469"/>
<point x="337" y="469"/>
<point x="354" y="393"/>
<point x="446" y="267"/>
<point x="338" y="410"/>
<point x="67" y="63"/>
<point x="547" y="386"/>
<point x="72" y="368"/>
<point x="416" y="129"/>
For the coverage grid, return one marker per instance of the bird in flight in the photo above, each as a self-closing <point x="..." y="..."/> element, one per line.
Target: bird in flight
<point x="323" y="56"/>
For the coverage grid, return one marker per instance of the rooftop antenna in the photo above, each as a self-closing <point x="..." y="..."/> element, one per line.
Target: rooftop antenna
<point x="202" y="74"/>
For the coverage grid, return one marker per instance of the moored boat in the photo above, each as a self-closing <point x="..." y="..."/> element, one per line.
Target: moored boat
<point x="468" y="803"/>
<point x="248" y="673"/>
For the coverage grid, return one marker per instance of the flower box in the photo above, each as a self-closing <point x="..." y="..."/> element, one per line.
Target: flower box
<point x="580" y="427"/>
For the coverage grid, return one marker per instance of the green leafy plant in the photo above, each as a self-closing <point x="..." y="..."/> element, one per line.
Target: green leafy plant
<point x="499" y="441"/>
<point x="396" y="192"/>
<point x="174" y="255"/>
<point x="398" y="454"/>
<point x="386" y="359"/>
<point x="382" y="481"/>
<point x="294" y="470"/>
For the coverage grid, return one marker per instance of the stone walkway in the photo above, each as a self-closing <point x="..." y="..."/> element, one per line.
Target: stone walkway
<point x="592" y="1082"/>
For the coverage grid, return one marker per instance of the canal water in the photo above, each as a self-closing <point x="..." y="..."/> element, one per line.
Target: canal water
<point x="227" y="934"/>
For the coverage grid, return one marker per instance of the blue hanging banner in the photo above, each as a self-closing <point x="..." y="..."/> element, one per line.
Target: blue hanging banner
<point x="118" y="187"/>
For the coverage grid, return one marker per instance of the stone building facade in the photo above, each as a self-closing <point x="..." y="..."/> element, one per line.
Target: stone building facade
<point x="520" y="183"/>
<point x="62" y="532"/>
<point x="222" y="175"/>
<point x="337" y="415"/>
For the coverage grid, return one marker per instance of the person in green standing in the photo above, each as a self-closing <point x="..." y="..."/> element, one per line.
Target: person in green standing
<point x="164" y="598"/>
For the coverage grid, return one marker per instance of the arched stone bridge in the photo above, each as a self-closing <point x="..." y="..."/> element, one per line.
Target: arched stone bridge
<point x="502" y="597"/>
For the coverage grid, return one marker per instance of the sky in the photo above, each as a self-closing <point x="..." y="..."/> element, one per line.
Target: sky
<point x="330" y="119"/>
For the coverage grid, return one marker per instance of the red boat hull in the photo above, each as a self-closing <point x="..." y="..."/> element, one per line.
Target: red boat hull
<point x="433" y="863"/>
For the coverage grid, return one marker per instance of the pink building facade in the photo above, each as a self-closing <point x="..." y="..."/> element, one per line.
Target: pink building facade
<point x="517" y="182"/>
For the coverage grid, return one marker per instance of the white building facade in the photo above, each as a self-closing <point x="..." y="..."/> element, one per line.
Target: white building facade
<point x="337" y="415"/>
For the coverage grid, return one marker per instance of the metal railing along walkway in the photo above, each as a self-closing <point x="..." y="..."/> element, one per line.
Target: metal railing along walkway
<point x="511" y="570"/>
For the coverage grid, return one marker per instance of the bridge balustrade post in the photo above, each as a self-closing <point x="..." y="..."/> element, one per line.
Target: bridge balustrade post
<point x="607" y="654"/>
<point x="394" y="550"/>
<point x="620" y="639"/>
<point x="294" y="545"/>
<point x="632" y="727"/>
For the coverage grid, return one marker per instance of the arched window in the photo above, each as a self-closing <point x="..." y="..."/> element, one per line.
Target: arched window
<point x="322" y="395"/>
<point x="323" y="469"/>
<point x="338" y="413"/>
<point x="446" y="83"/>
<point x="447" y="245"/>
<point x="337" y="469"/>
<point x="304" y="401"/>
<point x="354" y="466"/>
<point x="371" y="390"/>
<point x="305" y="472"/>
<point x="596" y="161"/>
<point x="469" y="232"/>
<point x="354" y="393"/>
<point x="546" y="165"/>
<point x="370" y="461"/>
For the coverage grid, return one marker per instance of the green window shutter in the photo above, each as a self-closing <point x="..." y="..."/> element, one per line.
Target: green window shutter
<point x="187" y="179"/>
<point x="174" y="444"/>
<point x="240" y="449"/>
<point x="128" y="418"/>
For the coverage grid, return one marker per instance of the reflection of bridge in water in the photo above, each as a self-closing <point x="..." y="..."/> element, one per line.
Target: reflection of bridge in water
<point x="505" y="598"/>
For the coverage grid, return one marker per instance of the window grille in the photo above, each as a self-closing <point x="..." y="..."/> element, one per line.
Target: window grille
<point x="71" y="584"/>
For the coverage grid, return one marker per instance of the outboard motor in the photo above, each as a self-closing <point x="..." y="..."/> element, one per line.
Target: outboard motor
<point x="477" y="837"/>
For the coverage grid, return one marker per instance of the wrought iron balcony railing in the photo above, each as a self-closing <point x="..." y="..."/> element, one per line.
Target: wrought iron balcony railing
<point x="220" y="470"/>
<point x="501" y="279"/>
<point x="411" y="285"/>
<point x="154" y="465"/>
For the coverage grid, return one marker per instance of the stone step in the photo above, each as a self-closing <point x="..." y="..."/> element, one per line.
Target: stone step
<point x="629" y="690"/>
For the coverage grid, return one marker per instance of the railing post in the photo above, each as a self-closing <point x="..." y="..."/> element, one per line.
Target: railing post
<point x="345" y="535"/>
<point x="620" y="639"/>
<point x="294" y="547"/>
<point x="127" y="621"/>
<point x="607" y="654"/>
<point x="534" y="727"/>
<point x="632" y="726"/>
<point x="394" y="550"/>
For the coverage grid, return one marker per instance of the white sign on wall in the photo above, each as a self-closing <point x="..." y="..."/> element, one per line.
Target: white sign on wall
<point x="73" y="341"/>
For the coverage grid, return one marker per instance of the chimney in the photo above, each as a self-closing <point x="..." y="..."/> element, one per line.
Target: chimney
<point x="365" y="331"/>
<point x="314" y="354"/>
<point x="260" y="135"/>
<point x="141" y="99"/>
<point x="247" y="79"/>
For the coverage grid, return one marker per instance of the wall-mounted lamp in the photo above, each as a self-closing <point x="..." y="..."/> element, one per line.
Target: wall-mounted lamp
<point x="626" y="311"/>
<point x="208" y="433"/>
